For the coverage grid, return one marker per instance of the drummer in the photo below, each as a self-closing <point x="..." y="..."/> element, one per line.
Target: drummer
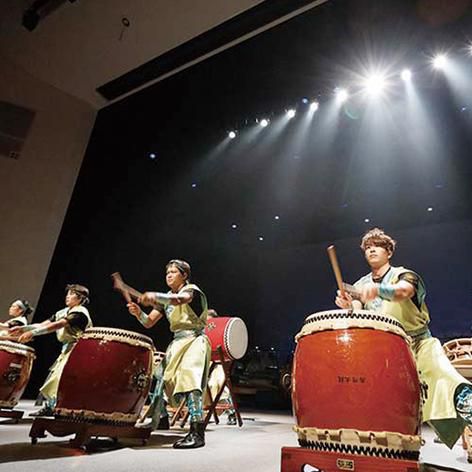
<point x="401" y="293"/>
<point x="19" y="312"/>
<point x="188" y="355"/>
<point x="68" y="324"/>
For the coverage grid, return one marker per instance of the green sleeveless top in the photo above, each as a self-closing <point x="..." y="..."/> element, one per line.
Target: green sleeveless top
<point x="413" y="317"/>
<point x="183" y="317"/>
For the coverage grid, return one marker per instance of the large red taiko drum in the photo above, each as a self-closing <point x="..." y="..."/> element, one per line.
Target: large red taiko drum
<point x="230" y="333"/>
<point x="354" y="375"/>
<point x="106" y="378"/>
<point x="16" y="362"/>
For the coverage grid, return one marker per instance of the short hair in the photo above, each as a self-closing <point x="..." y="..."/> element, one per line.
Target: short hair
<point x="81" y="291"/>
<point x="378" y="237"/>
<point x="182" y="266"/>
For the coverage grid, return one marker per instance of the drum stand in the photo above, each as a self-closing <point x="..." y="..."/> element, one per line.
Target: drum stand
<point x="15" y="415"/>
<point x="84" y="431"/>
<point x="300" y="459"/>
<point x="213" y="408"/>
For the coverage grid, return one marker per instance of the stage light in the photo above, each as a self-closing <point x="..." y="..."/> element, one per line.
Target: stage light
<point x="341" y="95"/>
<point x="194" y="185"/>
<point x="152" y="155"/>
<point x="430" y="209"/>
<point x="374" y="84"/>
<point x="276" y="217"/>
<point x="305" y="100"/>
<point x="366" y="220"/>
<point x="234" y="226"/>
<point x="440" y="61"/>
<point x="264" y="123"/>
<point x="232" y="134"/>
<point x="291" y="113"/>
<point x="406" y="75"/>
<point x="314" y="106"/>
<point x="261" y="238"/>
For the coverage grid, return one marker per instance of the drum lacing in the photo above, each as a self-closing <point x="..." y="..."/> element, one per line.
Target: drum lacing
<point x="359" y="450"/>
<point x="19" y="346"/>
<point x="119" y="334"/>
<point x="350" y="316"/>
<point x="82" y="418"/>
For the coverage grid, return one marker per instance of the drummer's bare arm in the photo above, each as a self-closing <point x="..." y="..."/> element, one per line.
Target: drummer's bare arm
<point x="398" y="292"/>
<point x="148" y="321"/>
<point x="158" y="299"/>
<point x="45" y="327"/>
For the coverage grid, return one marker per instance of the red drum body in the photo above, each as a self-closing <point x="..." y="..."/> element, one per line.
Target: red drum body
<point x="355" y="381"/>
<point x="16" y="362"/>
<point x="231" y="334"/>
<point x="107" y="377"/>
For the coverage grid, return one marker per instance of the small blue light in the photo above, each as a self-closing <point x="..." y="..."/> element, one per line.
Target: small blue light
<point x="305" y="100"/>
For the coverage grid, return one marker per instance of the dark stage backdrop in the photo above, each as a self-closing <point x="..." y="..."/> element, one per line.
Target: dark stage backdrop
<point x="131" y="213"/>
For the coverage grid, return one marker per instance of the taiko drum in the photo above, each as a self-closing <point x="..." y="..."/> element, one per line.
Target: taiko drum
<point x="107" y="377"/>
<point x="16" y="362"/>
<point x="355" y="370"/>
<point x="230" y="333"/>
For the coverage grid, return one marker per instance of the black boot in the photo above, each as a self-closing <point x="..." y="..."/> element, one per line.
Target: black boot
<point x="163" y="423"/>
<point x="195" y="438"/>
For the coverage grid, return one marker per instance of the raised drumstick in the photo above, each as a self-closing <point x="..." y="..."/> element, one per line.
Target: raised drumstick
<point x="336" y="269"/>
<point x="127" y="291"/>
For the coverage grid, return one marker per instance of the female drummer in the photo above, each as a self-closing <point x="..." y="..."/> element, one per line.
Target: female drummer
<point x="18" y="312"/>
<point x="188" y="355"/>
<point x="68" y="324"/>
<point x="401" y="293"/>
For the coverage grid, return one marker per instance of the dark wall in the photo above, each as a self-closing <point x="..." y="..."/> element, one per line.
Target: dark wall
<point x="130" y="213"/>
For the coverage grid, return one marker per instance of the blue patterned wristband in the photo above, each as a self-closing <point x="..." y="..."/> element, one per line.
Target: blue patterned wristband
<point x="386" y="291"/>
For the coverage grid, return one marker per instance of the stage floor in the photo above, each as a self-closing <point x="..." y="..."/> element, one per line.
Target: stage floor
<point x="254" y="447"/>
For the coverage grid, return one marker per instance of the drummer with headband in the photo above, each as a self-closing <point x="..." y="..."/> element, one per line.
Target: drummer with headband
<point x="18" y="312"/>
<point x="68" y="324"/>
<point x="400" y="292"/>
<point x="188" y="355"/>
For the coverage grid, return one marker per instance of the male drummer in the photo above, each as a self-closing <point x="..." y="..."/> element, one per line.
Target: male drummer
<point x="68" y="324"/>
<point x="18" y="312"/>
<point x="400" y="292"/>
<point x="188" y="355"/>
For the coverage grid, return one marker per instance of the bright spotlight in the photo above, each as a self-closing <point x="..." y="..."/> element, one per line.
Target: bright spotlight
<point x="374" y="84"/>
<point x="341" y="95"/>
<point x="291" y="113"/>
<point x="264" y="123"/>
<point x="406" y="75"/>
<point x="232" y="134"/>
<point x="314" y="106"/>
<point x="439" y="62"/>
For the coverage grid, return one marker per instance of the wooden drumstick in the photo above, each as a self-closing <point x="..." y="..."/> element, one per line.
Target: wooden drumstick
<point x="336" y="269"/>
<point x="127" y="291"/>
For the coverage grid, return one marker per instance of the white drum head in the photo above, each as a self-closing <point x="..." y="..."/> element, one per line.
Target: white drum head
<point x="236" y="338"/>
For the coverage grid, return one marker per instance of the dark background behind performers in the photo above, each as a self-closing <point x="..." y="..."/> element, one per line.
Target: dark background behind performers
<point x="130" y="213"/>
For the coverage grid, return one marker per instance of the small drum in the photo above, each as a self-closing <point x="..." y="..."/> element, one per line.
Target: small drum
<point x="459" y="353"/>
<point x="355" y="386"/>
<point x="231" y="334"/>
<point x="16" y="362"/>
<point x="106" y="378"/>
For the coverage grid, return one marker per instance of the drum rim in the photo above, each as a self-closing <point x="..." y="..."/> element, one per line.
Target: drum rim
<point x="119" y="332"/>
<point x="234" y="319"/>
<point x="19" y="346"/>
<point x="385" y="322"/>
